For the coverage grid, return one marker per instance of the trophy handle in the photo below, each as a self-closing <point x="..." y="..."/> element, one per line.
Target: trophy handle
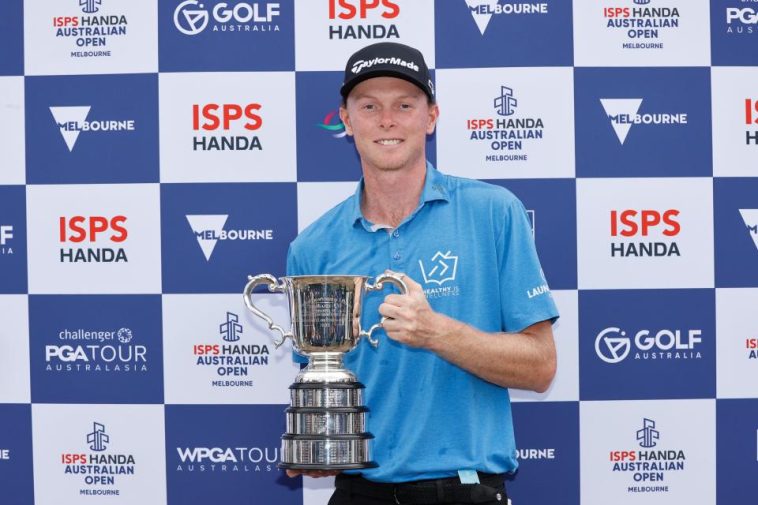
<point x="273" y="287"/>
<point x="392" y="278"/>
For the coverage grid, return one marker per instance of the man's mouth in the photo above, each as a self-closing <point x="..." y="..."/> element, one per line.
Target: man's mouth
<point x="388" y="142"/>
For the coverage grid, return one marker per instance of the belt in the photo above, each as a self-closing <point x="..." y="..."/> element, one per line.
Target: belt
<point x="491" y="488"/>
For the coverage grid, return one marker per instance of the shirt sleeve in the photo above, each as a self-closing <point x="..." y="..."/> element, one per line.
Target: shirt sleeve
<point x="525" y="295"/>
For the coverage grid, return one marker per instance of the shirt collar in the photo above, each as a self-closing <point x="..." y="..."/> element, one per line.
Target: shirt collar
<point x="435" y="188"/>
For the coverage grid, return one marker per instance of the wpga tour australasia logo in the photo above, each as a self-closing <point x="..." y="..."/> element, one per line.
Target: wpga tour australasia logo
<point x="98" y="470"/>
<point x="649" y="466"/>
<point x="228" y="358"/>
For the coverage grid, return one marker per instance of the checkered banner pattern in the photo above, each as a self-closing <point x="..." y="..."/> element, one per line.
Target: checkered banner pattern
<point x="156" y="152"/>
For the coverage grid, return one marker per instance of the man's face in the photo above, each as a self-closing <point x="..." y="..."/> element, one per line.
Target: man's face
<point x="389" y="119"/>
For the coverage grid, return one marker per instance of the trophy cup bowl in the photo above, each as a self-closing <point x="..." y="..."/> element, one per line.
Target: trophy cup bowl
<point x="326" y="420"/>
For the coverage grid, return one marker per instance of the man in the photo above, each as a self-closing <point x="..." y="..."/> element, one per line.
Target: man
<point x="467" y="329"/>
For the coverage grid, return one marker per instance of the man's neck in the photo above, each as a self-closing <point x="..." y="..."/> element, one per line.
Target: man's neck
<point x="391" y="196"/>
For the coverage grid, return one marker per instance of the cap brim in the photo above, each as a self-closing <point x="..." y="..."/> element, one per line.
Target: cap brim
<point x="370" y="74"/>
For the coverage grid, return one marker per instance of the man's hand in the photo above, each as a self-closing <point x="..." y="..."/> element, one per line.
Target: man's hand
<point x="411" y="319"/>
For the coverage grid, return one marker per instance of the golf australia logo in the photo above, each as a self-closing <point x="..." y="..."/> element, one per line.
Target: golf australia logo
<point x="613" y="345"/>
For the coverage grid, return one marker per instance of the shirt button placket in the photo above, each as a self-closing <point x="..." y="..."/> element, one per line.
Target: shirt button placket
<point x="396" y="251"/>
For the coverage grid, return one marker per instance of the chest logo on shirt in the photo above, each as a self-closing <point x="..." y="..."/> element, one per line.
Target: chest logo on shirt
<point x="440" y="269"/>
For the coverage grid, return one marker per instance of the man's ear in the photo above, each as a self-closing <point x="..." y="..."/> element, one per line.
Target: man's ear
<point x="345" y="117"/>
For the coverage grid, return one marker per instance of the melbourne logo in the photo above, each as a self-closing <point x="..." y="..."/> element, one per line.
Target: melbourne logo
<point x="5" y="454"/>
<point x="613" y="345"/>
<point x="741" y="20"/>
<point x="230" y="361"/>
<point x="623" y="113"/>
<point x="90" y="35"/>
<point x="631" y="230"/>
<point x="98" y="469"/>
<point x="643" y="27"/>
<point x="349" y="19"/>
<point x="511" y="133"/>
<point x="98" y="351"/>
<point x="71" y="121"/>
<point x="83" y="233"/>
<point x="648" y="468"/>
<point x="6" y="235"/>
<point x="750" y="218"/>
<point x="239" y="458"/>
<point x="209" y="229"/>
<point x="483" y="10"/>
<point x="751" y="119"/>
<point x="333" y="124"/>
<point x="191" y="17"/>
<point x="214" y="122"/>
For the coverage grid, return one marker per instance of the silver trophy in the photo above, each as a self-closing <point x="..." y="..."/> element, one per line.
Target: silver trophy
<point x="326" y="420"/>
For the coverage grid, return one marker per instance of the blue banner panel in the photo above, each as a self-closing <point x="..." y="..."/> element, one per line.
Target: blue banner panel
<point x="96" y="349"/>
<point x="92" y="129"/>
<point x="12" y="38"/>
<point x="13" y="239"/>
<point x="735" y="208"/>
<point x="551" y="206"/>
<point x="508" y="33"/>
<point x="736" y="451"/>
<point x="215" y="235"/>
<point x="324" y="150"/>
<point x="734" y="32"/>
<point x="643" y="122"/>
<point x="235" y="464"/>
<point x="645" y="344"/>
<point x="213" y="35"/>
<point x="548" y="451"/>
<point x="16" y="477"/>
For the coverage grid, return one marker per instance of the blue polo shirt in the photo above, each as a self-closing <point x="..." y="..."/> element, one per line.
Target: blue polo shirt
<point x="470" y="245"/>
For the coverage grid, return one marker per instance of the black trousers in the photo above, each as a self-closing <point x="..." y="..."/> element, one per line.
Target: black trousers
<point x="353" y="490"/>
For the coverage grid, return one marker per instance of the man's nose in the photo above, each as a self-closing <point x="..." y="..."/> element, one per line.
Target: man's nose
<point x="387" y="118"/>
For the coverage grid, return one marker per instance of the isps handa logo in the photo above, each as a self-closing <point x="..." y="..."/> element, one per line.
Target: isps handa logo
<point x="226" y="127"/>
<point x="229" y="362"/>
<point x="239" y="458"/>
<point x="72" y="121"/>
<point x="642" y="25"/>
<point x="509" y="133"/>
<point x="99" y="470"/>
<point x="91" y="33"/>
<point x="193" y="17"/>
<point x="649" y="466"/>
<point x="751" y="120"/>
<point x="614" y="345"/>
<point x="643" y="233"/>
<point x="97" y="351"/>
<point x="352" y="19"/>
<point x="83" y="238"/>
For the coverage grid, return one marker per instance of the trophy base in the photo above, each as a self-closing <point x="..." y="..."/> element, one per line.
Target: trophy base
<point x="344" y="466"/>
<point x="326" y="452"/>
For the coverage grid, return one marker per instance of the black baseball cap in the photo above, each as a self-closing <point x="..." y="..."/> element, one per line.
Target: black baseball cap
<point x="387" y="59"/>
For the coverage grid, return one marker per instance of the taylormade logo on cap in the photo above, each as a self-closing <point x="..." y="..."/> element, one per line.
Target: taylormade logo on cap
<point x="359" y="65"/>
